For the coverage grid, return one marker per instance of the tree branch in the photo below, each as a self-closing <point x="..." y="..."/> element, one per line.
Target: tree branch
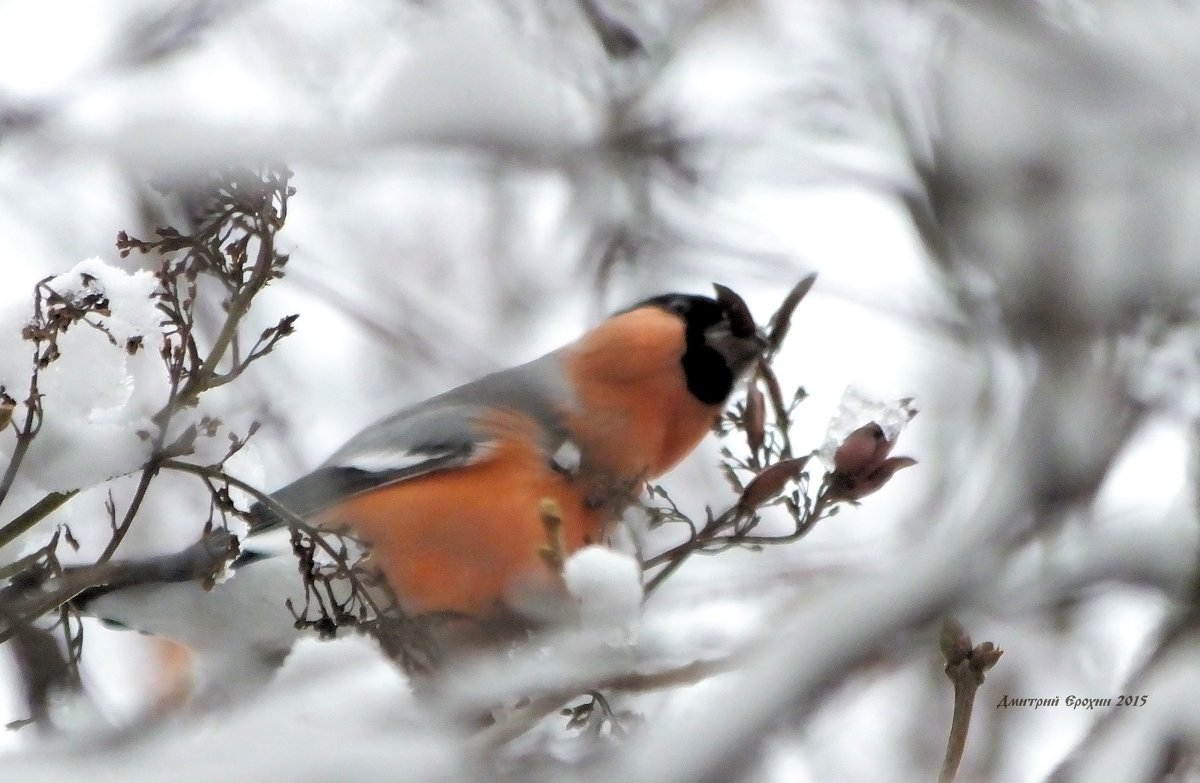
<point x="965" y="666"/>
<point x="195" y="563"/>
<point x="34" y="514"/>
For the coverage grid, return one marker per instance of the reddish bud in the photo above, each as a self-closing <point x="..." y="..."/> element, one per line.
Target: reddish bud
<point x="862" y="451"/>
<point x="782" y="320"/>
<point x="773" y="389"/>
<point x="769" y="483"/>
<point x="848" y="487"/>
<point x="755" y="419"/>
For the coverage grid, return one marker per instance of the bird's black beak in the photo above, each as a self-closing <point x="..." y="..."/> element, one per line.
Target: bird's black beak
<point x="741" y="322"/>
<point x="738" y="339"/>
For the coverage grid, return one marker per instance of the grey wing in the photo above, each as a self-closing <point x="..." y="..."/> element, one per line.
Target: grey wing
<point x="411" y="443"/>
<point x="442" y="433"/>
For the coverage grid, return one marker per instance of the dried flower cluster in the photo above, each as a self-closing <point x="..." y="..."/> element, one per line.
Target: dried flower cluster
<point x="237" y="215"/>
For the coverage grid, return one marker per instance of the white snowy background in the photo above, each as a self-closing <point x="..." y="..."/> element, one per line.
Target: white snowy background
<point x="460" y="167"/>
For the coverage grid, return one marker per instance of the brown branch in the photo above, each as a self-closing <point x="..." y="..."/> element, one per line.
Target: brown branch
<point x="149" y="471"/>
<point x="197" y="383"/>
<point x="1179" y="633"/>
<point x="965" y="666"/>
<point x="45" y="671"/>
<point x="289" y="518"/>
<point x="195" y="563"/>
<point x="34" y="514"/>
<point x="238" y="306"/>
<point x="190" y="377"/>
<point x="33" y="410"/>
<point x="24" y="439"/>
<point x="618" y="40"/>
<point x="523" y="718"/>
<point x="710" y="539"/>
<point x="778" y="407"/>
<point x="246" y="206"/>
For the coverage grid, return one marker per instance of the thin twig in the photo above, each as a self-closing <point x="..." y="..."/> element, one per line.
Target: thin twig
<point x="965" y="666"/>
<point x="238" y="306"/>
<point x="198" y="561"/>
<point x="206" y="376"/>
<point x="149" y="471"/>
<point x="618" y="40"/>
<point x="33" y="417"/>
<point x="34" y="514"/>
<point x="522" y="719"/>
<point x="289" y="518"/>
<point x="711" y="535"/>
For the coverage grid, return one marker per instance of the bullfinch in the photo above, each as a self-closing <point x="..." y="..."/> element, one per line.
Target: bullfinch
<point x="450" y="493"/>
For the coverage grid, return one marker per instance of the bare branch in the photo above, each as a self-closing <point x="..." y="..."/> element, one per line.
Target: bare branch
<point x="965" y="666"/>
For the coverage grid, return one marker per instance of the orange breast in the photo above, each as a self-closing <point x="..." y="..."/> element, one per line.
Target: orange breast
<point x="467" y="540"/>
<point x="636" y="417"/>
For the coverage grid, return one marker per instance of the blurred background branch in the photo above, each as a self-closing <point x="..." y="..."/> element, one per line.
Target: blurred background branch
<point x="1001" y="200"/>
